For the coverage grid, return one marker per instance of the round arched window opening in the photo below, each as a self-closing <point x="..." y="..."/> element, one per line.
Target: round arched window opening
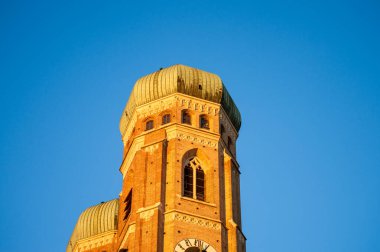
<point x="166" y="119"/>
<point x="149" y="125"/>
<point x="203" y="122"/>
<point x="186" y="117"/>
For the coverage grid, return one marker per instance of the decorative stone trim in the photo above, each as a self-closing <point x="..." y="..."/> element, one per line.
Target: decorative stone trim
<point x="197" y="139"/>
<point x="156" y="205"/>
<point x="166" y="103"/>
<point x="198" y="105"/>
<point x="136" y="145"/>
<point x="156" y="107"/>
<point x="129" y="127"/>
<point x="192" y="219"/>
<point x="228" y="126"/>
<point x="131" y="229"/>
<point x="151" y="148"/>
<point x="95" y="241"/>
<point x="181" y="134"/>
<point x="147" y="212"/>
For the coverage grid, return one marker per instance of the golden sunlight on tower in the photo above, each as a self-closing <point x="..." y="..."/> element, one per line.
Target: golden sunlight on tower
<point x="181" y="187"/>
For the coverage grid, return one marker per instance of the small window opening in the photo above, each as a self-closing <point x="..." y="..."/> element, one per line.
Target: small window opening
<point x="200" y="87"/>
<point x="149" y="125"/>
<point x="166" y="119"/>
<point x="204" y="122"/>
<point x="186" y="117"/>
<point x="128" y="205"/>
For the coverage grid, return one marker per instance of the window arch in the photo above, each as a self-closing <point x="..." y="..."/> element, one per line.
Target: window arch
<point x="203" y="122"/>
<point x="165" y="119"/>
<point x="149" y="125"/>
<point x="194" y="180"/>
<point x="186" y="117"/>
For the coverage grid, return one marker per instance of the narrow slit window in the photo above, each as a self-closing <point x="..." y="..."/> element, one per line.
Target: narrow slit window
<point x="200" y="184"/>
<point x="188" y="181"/>
<point x="128" y="205"/>
<point x="149" y="125"/>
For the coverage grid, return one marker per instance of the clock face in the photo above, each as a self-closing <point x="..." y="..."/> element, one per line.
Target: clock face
<point x="193" y="245"/>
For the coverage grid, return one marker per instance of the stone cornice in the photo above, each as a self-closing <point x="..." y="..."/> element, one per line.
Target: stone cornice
<point x="176" y="215"/>
<point x="131" y="229"/>
<point x="95" y="241"/>
<point x="165" y="103"/>
<point x="136" y="145"/>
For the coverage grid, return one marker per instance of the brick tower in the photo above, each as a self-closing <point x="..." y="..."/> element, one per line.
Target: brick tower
<point x="181" y="189"/>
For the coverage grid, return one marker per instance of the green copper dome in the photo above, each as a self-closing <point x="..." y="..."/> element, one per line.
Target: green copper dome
<point x="185" y="80"/>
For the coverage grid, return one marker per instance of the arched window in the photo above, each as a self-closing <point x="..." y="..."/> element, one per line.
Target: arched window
<point x="186" y="117"/>
<point x="203" y="122"/>
<point x="194" y="180"/>
<point x="166" y="119"/>
<point x="149" y="125"/>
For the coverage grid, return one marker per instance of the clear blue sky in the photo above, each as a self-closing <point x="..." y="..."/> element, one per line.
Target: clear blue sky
<point x="305" y="75"/>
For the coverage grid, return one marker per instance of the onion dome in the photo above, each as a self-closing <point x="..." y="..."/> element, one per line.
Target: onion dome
<point x="95" y="220"/>
<point x="180" y="79"/>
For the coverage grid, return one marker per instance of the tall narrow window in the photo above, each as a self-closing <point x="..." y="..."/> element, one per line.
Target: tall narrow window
<point x="149" y="125"/>
<point x="188" y="181"/>
<point x="186" y="117"/>
<point x="200" y="184"/>
<point x="203" y="121"/>
<point x="128" y="205"/>
<point x="194" y="180"/>
<point x="166" y="119"/>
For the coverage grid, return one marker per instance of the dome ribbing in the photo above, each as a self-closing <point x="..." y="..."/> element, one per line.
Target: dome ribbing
<point x="185" y="80"/>
<point x="95" y="220"/>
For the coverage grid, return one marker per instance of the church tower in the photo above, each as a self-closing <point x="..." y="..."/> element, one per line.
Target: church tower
<point x="181" y="189"/>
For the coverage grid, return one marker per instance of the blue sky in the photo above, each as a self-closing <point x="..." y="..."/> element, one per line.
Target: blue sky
<point x="304" y="74"/>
